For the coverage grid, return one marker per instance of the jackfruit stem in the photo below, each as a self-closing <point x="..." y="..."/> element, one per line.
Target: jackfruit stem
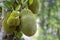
<point x="19" y="2"/>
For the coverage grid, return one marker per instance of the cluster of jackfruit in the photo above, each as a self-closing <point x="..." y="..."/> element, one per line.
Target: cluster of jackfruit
<point x="23" y="21"/>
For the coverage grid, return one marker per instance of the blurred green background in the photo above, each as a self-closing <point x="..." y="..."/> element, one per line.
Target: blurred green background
<point x="0" y="11"/>
<point x="49" y="20"/>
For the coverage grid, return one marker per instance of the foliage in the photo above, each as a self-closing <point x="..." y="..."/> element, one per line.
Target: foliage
<point x="50" y="20"/>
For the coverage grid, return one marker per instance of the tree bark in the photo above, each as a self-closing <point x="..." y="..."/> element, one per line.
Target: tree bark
<point x="3" y="15"/>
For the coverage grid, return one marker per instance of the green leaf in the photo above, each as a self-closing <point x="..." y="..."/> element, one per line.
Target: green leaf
<point x="30" y="2"/>
<point x="8" y="4"/>
<point x="22" y="1"/>
<point x="18" y="7"/>
<point x="11" y="0"/>
<point x="19" y="34"/>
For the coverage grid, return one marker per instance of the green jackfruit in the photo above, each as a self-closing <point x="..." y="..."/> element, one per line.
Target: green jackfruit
<point x="13" y="20"/>
<point x="28" y="22"/>
<point x="7" y="29"/>
<point x="34" y="7"/>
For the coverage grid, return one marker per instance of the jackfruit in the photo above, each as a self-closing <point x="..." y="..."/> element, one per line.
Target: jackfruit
<point x="7" y="29"/>
<point x="34" y="7"/>
<point x="28" y="22"/>
<point x="13" y="20"/>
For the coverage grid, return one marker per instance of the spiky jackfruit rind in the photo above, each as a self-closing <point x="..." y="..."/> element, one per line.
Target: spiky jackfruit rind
<point x="28" y="23"/>
<point x="34" y="7"/>
<point x="7" y="29"/>
<point x="13" y="20"/>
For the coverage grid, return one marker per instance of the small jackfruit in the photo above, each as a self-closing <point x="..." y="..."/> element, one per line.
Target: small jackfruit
<point x="13" y="20"/>
<point x="34" y="7"/>
<point x="7" y="29"/>
<point x="28" y="22"/>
